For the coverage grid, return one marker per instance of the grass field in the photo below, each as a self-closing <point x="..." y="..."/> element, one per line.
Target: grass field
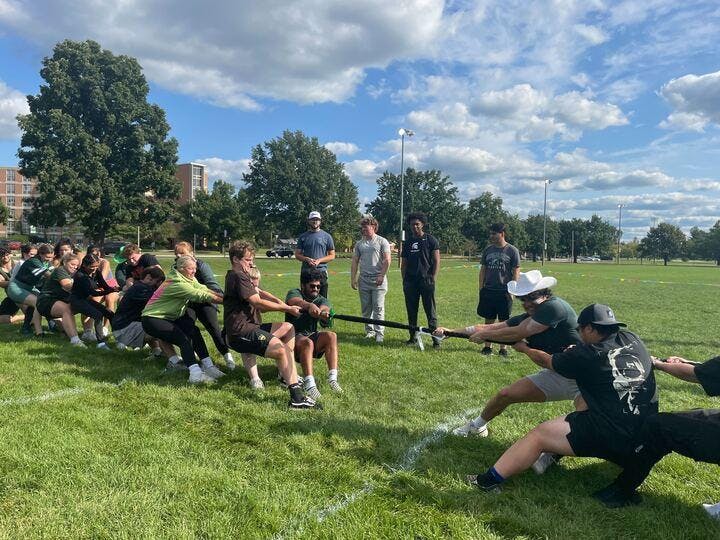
<point x="107" y="445"/>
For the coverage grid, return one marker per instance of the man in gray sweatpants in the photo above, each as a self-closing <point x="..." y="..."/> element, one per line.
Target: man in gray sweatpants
<point x="372" y="257"/>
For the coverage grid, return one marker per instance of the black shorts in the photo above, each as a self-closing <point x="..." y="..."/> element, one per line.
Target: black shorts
<point x="312" y="337"/>
<point x="45" y="304"/>
<point x="592" y="436"/>
<point x="8" y="307"/>
<point x="494" y="305"/>
<point x="254" y="342"/>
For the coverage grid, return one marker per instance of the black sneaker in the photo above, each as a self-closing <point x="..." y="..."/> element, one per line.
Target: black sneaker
<point x="481" y="482"/>
<point x="503" y="353"/>
<point x="305" y="403"/>
<point x="411" y="342"/>
<point x="436" y="343"/>
<point x="487" y="351"/>
<point x="614" y="497"/>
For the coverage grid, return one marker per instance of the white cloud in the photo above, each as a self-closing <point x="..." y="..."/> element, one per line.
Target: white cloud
<point x="592" y="34"/>
<point x="363" y="170"/>
<point x="696" y="100"/>
<point x="342" y="148"/>
<point x="12" y="103"/>
<point x="228" y="170"/>
<point x="578" y="110"/>
<point x="450" y="120"/>
<point x="638" y="178"/>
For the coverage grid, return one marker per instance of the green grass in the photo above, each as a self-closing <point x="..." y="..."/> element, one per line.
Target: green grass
<point x="106" y="445"/>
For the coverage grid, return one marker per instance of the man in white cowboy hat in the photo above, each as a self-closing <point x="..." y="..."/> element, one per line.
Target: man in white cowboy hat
<point x="315" y="248"/>
<point x="549" y="324"/>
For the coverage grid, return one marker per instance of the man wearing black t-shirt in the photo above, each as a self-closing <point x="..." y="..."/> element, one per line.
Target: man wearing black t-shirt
<point x="614" y="373"/>
<point x="419" y="266"/>
<point x="694" y="433"/>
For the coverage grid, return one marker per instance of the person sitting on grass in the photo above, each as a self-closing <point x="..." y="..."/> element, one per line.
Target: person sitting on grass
<point x="23" y="290"/>
<point x="207" y="313"/>
<point x="88" y="284"/>
<point x="166" y="319"/>
<point x="243" y="327"/>
<point x="127" y="326"/>
<point x="54" y="299"/>
<point x="614" y="372"/>
<point x="549" y="324"/>
<point x="105" y="270"/>
<point x="8" y="308"/>
<point x="694" y="433"/>
<point x="249" y="359"/>
<point x="309" y="343"/>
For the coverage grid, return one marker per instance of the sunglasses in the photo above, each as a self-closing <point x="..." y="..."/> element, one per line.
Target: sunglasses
<point x="310" y="286"/>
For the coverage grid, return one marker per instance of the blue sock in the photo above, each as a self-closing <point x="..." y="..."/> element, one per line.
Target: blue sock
<point x="492" y="473"/>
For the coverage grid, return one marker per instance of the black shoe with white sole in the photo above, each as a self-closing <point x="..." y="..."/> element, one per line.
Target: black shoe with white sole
<point x="305" y="403"/>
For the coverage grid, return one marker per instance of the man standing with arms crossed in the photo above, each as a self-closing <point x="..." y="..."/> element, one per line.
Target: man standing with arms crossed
<point x="372" y="256"/>
<point x="499" y="264"/>
<point x="419" y="266"/>
<point x="315" y="248"/>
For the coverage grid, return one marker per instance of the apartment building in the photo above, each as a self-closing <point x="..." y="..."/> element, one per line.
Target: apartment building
<point x="16" y="193"/>
<point x="193" y="177"/>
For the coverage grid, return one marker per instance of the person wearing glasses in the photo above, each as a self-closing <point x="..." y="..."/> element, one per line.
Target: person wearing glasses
<point x="549" y="324"/>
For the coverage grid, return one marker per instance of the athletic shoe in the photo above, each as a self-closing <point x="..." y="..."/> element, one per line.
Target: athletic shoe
<point x="198" y="376"/>
<point x="411" y="342"/>
<point x="544" y="462"/>
<point x="230" y="364"/>
<point x="103" y="346"/>
<point x="313" y="393"/>
<point x="613" y="497"/>
<point x="78" y="344"/>
<point x="52" y="326"/>
<point x="335" y="386"/>
<point x="305" y="403"/>
<point x="284" y="384"/>
<point x="713" y="510"/>
<point x="120" y="346"/>
<point x="257" y="384"/>
<point x="471" y="429"/>
<point x="370" y="335"/>
<point x="503" y="353"/>
<point x="477" y="480"/>
<point x="175" y="366"/>
<point x="26" y="331"/>
<point x="379" y="338"/>
<point x="487" y="351"/>
<point x="213" y="372"/>
<point x="88" y="336"/>
<point x="436" y="343"/>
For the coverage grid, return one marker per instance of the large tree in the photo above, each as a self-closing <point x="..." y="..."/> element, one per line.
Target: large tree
<point x="4" y="213"/>
<point x="100" y="151"/>
<point x="425" y="191"/>
<point x="572" y="239"/>
<point x="601" y="237"/>
<point x="706" y="244"/>
<point x="534" y="229"/>
<point x="665" y="241"/>
<point x="292" y="175"/>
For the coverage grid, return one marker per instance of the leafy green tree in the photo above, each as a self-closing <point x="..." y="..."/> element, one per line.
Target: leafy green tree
<point x="601" y="237"/>
<point x="292" y="175"/>
<point x="425" y="191"/>
<point x="481" y="212"/>
<point x="100" y="151"/>
<point x="4" y="213"/>
<point x="706" y="244"/>
<point x="572" y="237"/>
<point x="534" y="243"/>
<point x="665" y="241"/>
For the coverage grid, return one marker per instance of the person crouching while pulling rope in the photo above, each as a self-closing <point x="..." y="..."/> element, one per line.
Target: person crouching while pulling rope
<point x="549" y="324"/>
<point x="244" y="330"/>
<point x="614" y="372"/>
<point x="309" y="343"/>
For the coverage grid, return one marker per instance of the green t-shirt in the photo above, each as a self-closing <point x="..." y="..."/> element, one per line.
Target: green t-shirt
<point x="52" y="290"/>
<point x="562" y="321"/>
<point x="305" y="324"/>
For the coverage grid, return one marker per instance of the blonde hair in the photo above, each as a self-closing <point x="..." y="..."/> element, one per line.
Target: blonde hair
<point x="183" y="261"/>
<point x="184" y="248"/>
<point x="69" y="257"/>
<point x="254" y="272"/>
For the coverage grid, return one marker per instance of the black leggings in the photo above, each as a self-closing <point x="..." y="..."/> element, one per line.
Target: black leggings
<point x="95" y="310"/>
<point x="207" y="314"/>
<point x="181" y="332"/>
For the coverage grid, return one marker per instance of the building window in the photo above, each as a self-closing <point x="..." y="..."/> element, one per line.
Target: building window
<point x="10" y="175"/>
<point x="10" y="187"/>
<point x="11" y="200"/>
<point x="198" y="172"/>
<point x="27" y="189"/>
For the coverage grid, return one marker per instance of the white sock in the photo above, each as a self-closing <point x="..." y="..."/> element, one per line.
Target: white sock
<point x="206" y="362"/>
<point x="157" y="351"/>
<point x="479" y="422"/>
<point x="174" y="359"/>
<point x="229" y="357"/>
<point x="332" y="375"/>
<point x="309" y="381"/>
<point x="194" y="368"/>
<point x="75" y="339"/>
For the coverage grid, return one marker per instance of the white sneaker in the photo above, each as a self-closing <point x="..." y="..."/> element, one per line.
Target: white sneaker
<point x="78" y="344"/>
<point x="198" y="376"/>
<point x="103" y="346"/>
<point x="313" y="393"/>
<point x="335" y="386"/>
<point x="370" y="335"/>
<point x="213" y="372"/>
<point x="88" y="336"/>
<point x="175" y="366"/>
<point x="713" y="510"/>
<point x="543" y="463"/>
<point x="471" y="429"/>
<point x="379" y="338"/>
<point x="257" y="384"/>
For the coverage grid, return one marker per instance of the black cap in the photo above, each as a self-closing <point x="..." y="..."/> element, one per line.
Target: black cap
<point x="497" y="228"/>
<point x="598" y="314"/>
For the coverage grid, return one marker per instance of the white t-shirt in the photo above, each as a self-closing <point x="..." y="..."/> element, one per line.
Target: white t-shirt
<point x="371" y="254"/>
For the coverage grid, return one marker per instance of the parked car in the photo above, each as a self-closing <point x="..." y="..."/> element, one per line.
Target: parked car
<point x="280" y="251"/>
<point x="589" y="259"/>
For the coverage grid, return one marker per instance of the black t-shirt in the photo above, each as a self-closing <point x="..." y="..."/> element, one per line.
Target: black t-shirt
<point x="240" y="317"/>
<point x="131" y="305"/>
<point x="709" y="376"/>
<point x="561" y="319"/>
<point x="616" y="379"/>
<point x="85" y="286"/>
<point x="418" y="253"/>
<point x="146" y="260"/>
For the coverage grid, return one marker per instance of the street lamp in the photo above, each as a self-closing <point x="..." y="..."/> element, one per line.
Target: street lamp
<point x="402" y="132"/>
<point x="619" y="235"/>
<point x="544" y="249"/>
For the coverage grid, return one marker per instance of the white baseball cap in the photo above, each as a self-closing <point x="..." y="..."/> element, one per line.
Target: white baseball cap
<point x="314" y="215"/>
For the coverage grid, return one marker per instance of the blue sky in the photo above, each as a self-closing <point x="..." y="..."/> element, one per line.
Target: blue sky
<point x="615" y="102"/>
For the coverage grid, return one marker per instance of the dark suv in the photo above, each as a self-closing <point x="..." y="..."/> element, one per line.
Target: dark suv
<point x="280" y="251"/>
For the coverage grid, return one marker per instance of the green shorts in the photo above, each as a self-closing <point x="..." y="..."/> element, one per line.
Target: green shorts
<point x="17" y="293"/>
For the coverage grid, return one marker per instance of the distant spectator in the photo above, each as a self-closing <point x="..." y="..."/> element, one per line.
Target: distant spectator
<point x="315" y="248"/>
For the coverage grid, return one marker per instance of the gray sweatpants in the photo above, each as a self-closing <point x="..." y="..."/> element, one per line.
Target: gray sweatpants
<point x="372" y="305"/>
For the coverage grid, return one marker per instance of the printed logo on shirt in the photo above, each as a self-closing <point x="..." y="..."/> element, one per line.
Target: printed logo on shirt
<point x="628" y="374"/>
<point x="414" y="247"/>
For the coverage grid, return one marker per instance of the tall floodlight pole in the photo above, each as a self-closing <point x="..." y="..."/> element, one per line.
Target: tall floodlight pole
<point x="544" y="246"/>
<point x="402" y="132"/>
<point x="619" y="235"/>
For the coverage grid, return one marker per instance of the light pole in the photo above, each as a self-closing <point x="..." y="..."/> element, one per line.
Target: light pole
<point x="402" y="132"/>
<point x="619" y="236"/>
<point x="544" y="246"/>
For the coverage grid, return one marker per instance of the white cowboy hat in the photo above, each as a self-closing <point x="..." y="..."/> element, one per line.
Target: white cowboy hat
<point x="530" y="282"/>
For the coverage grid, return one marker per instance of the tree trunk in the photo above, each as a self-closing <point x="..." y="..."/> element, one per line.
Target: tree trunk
<point x="665" y="261"/>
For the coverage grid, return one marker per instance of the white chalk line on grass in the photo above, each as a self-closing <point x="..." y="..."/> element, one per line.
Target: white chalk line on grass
<point x="49" y="396"/>
<point x="406" y="463"/>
